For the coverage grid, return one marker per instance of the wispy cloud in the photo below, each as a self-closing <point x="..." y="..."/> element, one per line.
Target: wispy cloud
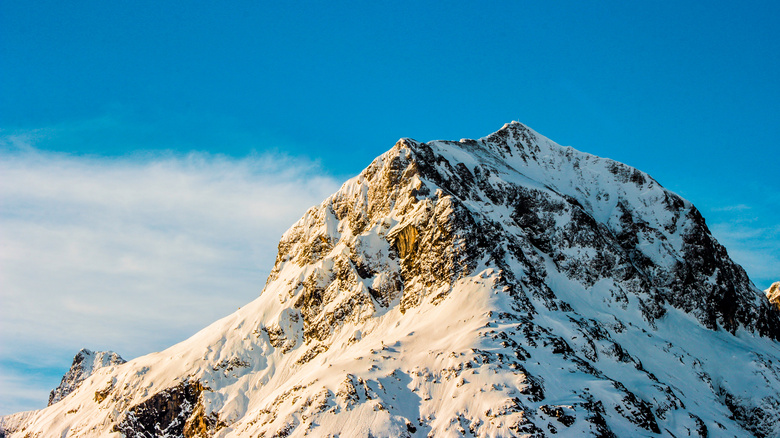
<point x="23" y="389"/>
<point x="131" y="254"/>
<point x="753" y="244"/>
<point x="738" y="207"/>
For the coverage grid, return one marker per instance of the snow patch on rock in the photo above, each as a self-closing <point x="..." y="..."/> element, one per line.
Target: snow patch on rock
<point x="85" y="363"/>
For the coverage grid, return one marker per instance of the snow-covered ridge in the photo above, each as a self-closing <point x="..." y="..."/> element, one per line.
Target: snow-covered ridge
<point x="84" y="364"/>
<point x="504" y="286"/>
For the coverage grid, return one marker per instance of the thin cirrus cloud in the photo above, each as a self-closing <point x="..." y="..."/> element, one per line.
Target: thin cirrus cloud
<point x="131" y="254"/>
<point x="737" y="207"/>
<point x="754" y="245"/>
<point x="749" y="230"/>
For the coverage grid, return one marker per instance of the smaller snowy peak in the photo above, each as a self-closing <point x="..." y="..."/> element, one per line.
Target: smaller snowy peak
<point x="11" y="423"/>
<point x="85" y="363"/>
<point x="773" y="294"/>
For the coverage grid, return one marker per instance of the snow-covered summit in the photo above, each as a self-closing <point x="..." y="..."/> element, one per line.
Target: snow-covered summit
<point x="84" y="364"/>
<point x="505" y="286"/>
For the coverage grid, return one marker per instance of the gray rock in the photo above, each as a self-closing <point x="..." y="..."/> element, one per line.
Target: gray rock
<point x="84" y="364"/>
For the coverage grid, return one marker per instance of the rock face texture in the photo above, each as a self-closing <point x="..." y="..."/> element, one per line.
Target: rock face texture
<point x="505" y="286"/>
<point x="773" y="294"/>
<point x="84" y="364"/>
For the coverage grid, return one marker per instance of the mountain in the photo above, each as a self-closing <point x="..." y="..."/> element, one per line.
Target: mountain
<point x="84" y="364"/>
<point x="505" y="286"/>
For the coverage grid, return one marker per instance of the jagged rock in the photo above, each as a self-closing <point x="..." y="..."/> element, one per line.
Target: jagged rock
<point x="85" y="363"/>
<point x="503" y="286"/>
<point x="773" y="294"/>
<point x="168" y="413"/>
<point x="405" y="241"/>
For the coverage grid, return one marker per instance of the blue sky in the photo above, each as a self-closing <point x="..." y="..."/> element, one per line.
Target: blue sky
<point x="129" y="128"/>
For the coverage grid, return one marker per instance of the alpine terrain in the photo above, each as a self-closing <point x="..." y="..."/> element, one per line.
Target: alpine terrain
<point x="84" y="364"/>
<point x="505" y="286"/>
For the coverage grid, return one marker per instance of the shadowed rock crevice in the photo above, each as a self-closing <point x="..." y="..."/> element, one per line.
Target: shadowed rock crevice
<point x="173" y="412"/>
<point x="773" y="294"/>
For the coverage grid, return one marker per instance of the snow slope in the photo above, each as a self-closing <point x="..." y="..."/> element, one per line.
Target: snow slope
<point x="505" y="286"/>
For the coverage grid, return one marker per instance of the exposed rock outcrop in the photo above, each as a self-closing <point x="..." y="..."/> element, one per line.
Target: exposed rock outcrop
<point x="173" y="412"/>
<point x="773" y="294"/>
<point x="85" y="363"/>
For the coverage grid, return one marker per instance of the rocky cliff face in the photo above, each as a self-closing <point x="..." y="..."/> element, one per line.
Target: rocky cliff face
<point x="84" y="364"/>
<point x="773" y="294"/>
<point x="505" y="286"/>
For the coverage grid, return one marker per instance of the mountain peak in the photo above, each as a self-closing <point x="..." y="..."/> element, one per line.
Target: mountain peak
<point x="514" y="124"/>
<point x="85" y="363"/>
<point x="501" y="286"/>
